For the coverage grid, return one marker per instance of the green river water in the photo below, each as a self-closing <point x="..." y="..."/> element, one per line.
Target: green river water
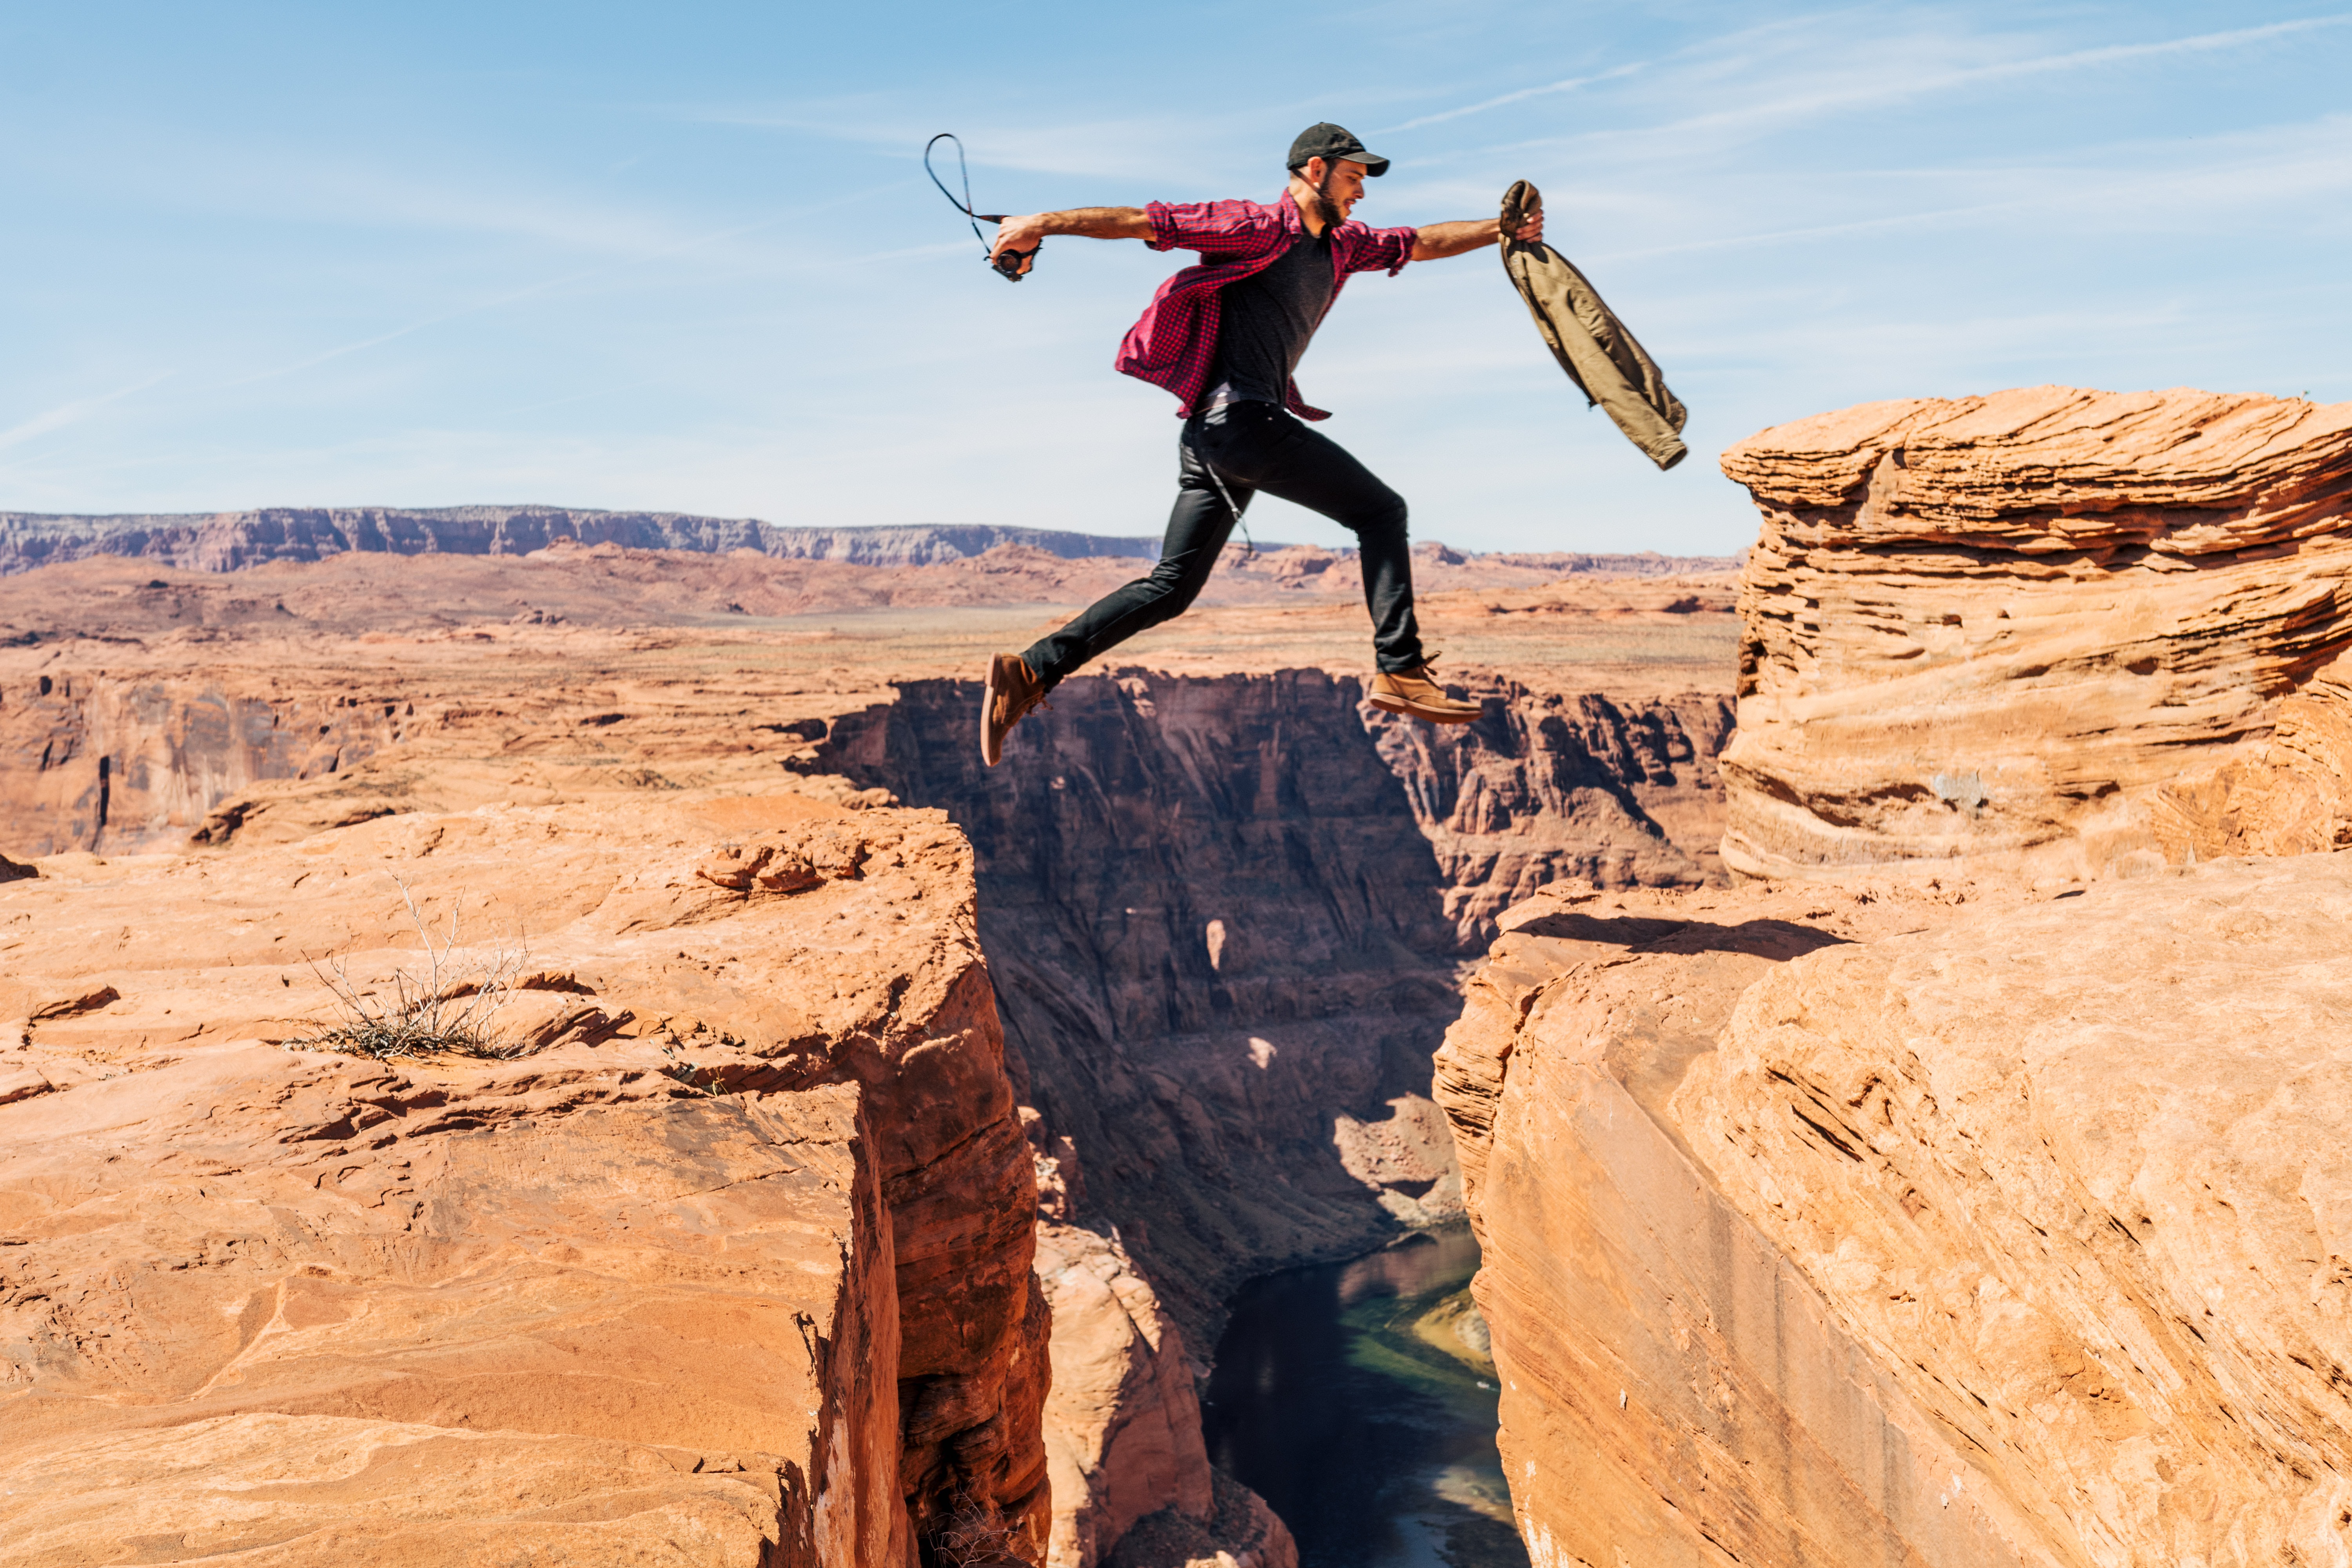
<point x="1357" y="1399"/>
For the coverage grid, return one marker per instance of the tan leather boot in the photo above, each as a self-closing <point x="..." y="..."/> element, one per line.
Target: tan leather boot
<point x="1412" y="693"/>
<point x="1010" y="691"/>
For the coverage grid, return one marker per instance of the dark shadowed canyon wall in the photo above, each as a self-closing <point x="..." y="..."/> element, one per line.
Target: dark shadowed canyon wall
<point x="1225" y="917"/>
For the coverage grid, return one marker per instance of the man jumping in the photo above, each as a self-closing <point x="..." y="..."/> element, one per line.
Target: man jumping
<point x="1224" y="336"/>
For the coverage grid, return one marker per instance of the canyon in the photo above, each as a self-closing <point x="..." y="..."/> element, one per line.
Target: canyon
<point x="1221" y="908"/>
<point x="1882" y="1014"/>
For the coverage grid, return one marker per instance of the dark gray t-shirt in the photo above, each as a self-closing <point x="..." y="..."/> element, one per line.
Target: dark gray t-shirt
<point x="1267" y="319"/>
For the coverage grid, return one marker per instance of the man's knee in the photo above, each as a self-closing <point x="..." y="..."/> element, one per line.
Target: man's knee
<point x="1169" y="591"/>
<point x="1382" y="518"/>
<point x="1180" y="591"/>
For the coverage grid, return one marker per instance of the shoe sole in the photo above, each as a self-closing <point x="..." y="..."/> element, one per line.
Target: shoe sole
<point x="1391" y="705"/>
<point x="989" y="753"/>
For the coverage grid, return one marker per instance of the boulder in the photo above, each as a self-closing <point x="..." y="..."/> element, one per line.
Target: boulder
<point x="1122" y="1423"/>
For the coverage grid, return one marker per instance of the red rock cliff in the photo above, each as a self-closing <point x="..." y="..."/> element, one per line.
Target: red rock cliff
<point x="1884" y="1224"/>
<point x="728" y="1262"/>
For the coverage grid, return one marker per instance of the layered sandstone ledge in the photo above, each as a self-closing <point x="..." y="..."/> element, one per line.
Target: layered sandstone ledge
<point x="1920" y="1223"/>
<point x="2006" y="626"/>
<point x="730" y="1264"/>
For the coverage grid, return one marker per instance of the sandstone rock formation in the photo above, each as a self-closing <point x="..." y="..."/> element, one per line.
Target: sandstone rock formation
<point x="1937" y="1225"/>
<point x="722" y="1255"/>
<point x="2003" y="625"/>
<point x="2291" y="795"/>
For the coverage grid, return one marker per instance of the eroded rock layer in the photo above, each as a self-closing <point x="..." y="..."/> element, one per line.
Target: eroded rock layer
<point x="1901" y="1223"/>
<point x="1999" y="625"/>
<point x="721" y="1255"/>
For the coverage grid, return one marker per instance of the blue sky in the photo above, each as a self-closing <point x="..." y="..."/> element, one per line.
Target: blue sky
<point x="684" y="256"/>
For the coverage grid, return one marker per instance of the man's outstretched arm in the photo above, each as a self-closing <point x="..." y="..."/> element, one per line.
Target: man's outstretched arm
<point x="1024" y="233"/>
<point x="1441" y="239"/>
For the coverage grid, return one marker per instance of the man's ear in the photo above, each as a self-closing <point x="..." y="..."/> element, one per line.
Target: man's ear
<point x="1314" y="172"/>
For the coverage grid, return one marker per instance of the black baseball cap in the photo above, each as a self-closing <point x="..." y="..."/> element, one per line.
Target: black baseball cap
<point x="1327" y="142"/>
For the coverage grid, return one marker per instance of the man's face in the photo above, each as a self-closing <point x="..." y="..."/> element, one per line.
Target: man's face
<point x="1347" y="186"/>
<point x="1340" y="183"/>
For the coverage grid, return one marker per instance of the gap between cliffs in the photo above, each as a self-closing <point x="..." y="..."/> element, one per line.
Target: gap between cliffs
<point x="1226" y="918"/>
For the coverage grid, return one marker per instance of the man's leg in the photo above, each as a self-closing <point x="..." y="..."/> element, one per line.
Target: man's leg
<point x="1268" y="449"/>
<point x="1198" y="526"/>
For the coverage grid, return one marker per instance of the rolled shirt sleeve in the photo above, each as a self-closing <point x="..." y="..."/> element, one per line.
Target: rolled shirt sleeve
<point x="1379" y="249"/>
<point x="1237" y="228"/>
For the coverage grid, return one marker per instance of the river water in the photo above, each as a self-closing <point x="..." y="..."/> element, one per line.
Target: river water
<point x="1356" y="1399"/>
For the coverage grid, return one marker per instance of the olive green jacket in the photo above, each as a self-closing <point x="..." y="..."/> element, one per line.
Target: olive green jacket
<point x="1600" y="355"/>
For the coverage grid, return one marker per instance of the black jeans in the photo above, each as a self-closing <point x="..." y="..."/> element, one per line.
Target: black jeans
<point x="1255" y="447"/>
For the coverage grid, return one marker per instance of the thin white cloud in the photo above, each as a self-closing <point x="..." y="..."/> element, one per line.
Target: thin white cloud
<point x="686" y="246"/>
<point x="2297" y="173"/>
<point x="1569" y="85"/>
<point x="1123" y="148"/>
<point x="312" y="361"/>
<point x="1895" y="88"/>
<point x="170" y="168"/>
<point x="72" y="413"/>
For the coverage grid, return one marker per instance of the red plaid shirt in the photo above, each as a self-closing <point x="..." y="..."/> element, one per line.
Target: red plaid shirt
<point x="1175" y="342"/>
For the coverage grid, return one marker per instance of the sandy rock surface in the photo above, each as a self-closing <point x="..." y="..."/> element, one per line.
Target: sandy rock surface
<point x="2001" y="624"/>
<point x="2087" y="1162"/>
<point x="1672" y="1390"/>
<point x="736" y="1248"/>
<point x="1923" y="1221"/>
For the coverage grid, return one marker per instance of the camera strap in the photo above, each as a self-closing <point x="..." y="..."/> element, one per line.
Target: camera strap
<point x="1009" y="263"/>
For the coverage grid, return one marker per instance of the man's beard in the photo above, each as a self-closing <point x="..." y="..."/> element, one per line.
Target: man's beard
<point x="1326" y="211"/>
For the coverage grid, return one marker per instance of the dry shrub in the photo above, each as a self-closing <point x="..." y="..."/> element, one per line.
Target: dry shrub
<point x="975" y="1535"/>
<point x="449" y="1006"/>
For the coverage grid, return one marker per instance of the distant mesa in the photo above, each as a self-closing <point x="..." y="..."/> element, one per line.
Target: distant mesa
<point x="230" y="541"/>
